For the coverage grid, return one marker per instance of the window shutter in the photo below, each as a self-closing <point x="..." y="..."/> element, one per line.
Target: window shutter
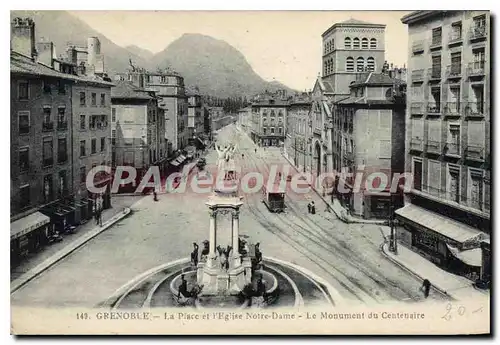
<point x="434" y="177"/>
<point x="476" y="132"/>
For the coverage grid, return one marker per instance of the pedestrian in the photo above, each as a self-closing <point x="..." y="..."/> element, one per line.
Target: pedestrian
<point x="426" y="287"/>
<point x="309" y="208"/>
<point x="194" y="254"/>
<point x="313" y="208"/>
<point x="255" y="150"/>
<point x="99" y="217"/>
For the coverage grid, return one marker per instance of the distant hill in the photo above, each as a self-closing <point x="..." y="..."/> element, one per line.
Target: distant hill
<point x="216" y="67"/>
<point x="138" y="51"/>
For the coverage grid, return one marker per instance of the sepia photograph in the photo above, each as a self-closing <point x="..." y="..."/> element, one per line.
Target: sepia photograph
<point x="250" y="172"/>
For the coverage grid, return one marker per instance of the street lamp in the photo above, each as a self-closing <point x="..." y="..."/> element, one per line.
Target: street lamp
<point x="393" y="244"/>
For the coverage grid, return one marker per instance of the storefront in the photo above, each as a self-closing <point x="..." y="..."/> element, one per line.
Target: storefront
<point x="61" y="215"/>
<point x="27" y="235"/>
<point x="449" y="244"/>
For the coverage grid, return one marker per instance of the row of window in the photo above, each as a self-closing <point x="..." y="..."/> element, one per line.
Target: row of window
<point x="83" y="171"/>
<point x="47" y="154"/>
<point x="95" y="121"/>
<point x="477" y="190"/>
<point x="93" y="99"/>
<point x="272" y="130"/>
<point x="356" y="43"/>
<point x="361" y="64"/>
<point x="93" y="146"/>
<point x="24" y="194"/>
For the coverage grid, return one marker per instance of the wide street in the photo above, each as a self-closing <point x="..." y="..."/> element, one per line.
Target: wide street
<point x="348" y="256"/>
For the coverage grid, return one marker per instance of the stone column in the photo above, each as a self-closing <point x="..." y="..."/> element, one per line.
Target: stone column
<point x="213" y="232"/>
<point x="235" y="233"/>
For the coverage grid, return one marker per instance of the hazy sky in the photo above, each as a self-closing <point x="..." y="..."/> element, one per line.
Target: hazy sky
<point x="285" y="46"/>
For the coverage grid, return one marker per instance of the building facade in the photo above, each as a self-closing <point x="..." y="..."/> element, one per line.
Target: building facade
<point x="195" y="115"/>
<point x="448" y="139"/>
<point x="298" y="131"/>
<point x="245" y="119"/>
<point x="371" y="127"/>
<point x="269" y="113"/>
<point x="136" y="125"/>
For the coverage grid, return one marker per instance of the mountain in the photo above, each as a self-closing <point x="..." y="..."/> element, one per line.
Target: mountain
<point x="61" y="27"/>
<point x="138" y="51"/>
<point x="216" y="67"/>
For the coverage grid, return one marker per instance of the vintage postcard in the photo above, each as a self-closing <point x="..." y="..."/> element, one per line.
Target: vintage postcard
<point x="203" y="173"/>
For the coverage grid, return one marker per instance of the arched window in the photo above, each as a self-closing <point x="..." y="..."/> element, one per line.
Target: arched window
<point x="355" y="43"/>
<point x="370" y="64"/>
<point x="272" y="113"/>
<point x="347" y="43"/>
<point x="349" y="64"/>
<point x="364" y="43"/>
<point x="325" y="71"/>
<point x="331" y="65"/>
<point x="360" y="64"/>
<point x="373" y="43"/>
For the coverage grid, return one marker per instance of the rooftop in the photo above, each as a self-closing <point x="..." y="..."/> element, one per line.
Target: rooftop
<point x="417" y="16"/>
<point x="125" y="89"/>
<point x="22" y="64"/>
<point x="353" y="23"/>
<point x="372" y="78"/>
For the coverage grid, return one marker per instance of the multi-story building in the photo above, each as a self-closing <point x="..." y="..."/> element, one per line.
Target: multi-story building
<point x="268" y="118"/>
<point x="136" y="124"/>
<point x="195" y="116"/>
<point x="297" y="130"/>
<point x="169" y="88"/>
<point x="349" y="48"/>
<point x="45" y="194"/>
<point x="370" y="125"/>
<point x="448" y="146"/>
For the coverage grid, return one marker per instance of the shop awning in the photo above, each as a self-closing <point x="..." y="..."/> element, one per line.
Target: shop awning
<point x="471" y="257"/>
<point x="27" y="224"/>
<point x="439" y="224"/>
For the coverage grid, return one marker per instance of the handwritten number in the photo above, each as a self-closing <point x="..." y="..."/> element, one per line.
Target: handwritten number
<point x="447" y="316"/>
<point x="461" y="310"/>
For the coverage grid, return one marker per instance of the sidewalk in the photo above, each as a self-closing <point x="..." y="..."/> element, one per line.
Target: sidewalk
<point x="335" y="206"/>
<point x="32" y="266"/>
<point x="457" y="287"/>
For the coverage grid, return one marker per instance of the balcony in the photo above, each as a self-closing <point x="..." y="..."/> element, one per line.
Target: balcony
<point x="477" y="33"/>
<point x="417" y="75"/>
<point x="475" y="153"/>
<point x="24" y="129"/>
<point x="434" y="73"/>
<point x="47" y="162"/>
<point x="417" y="108"/>
<point x="434" y="108"/>
<point x="62" y="125"/>
<point x="452" y="109"/>
<point x="455" y="38"/>
<point x="434" y="147"/>
<point x="416" y="144"/>
<point x="417" y="47"/>
<point x="47" y="126"/>
<point x="474" y="110"/>
<point x="476" y="69"/>
<point x="454" y="71"/>
<point x="453" y="149"/>
<point x="62" y="158"/>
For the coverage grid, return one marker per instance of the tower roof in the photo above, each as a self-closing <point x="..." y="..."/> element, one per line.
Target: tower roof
<point x="356" y="23"/>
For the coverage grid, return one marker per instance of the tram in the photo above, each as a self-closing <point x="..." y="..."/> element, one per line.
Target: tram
<point x="274" y="197"/>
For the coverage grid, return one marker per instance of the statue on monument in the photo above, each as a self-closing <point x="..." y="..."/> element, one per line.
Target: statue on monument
<point x="223" y="257"/>
<point x="225" y="163"/>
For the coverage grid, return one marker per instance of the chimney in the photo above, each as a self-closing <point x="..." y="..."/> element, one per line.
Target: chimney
<point x="22" y="36"/>
<point x="93" y="50"/>
<point x="45" y="53"/>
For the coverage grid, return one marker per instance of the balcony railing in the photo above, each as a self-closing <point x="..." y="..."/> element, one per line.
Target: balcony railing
<point x="434" y="108"/>
<point x="62" y="125"/>
<point x="456" y="197"/>
<point x="47" y="126"/>
<point x="455" y="38"/>
<point x="417" y="47"/>
<point x="24" y="129"/>
<point x="454" y="71"/>
<point x="452" y="109"/>
<point x="453" y="149"/>
<point x="474" y="109"/>
<point x="476" y="68"/>
<point x="433" y="147"/>
<point x="48" y="162"/>
<point x="477" y="32"/>
<point x="417" y="108"/>
<point x="416" y="144"/>
<point x="474" y="152"/>
<point x="62" y="158"/>
<point x="434" y="73"/>
<point x="417" y="75"/>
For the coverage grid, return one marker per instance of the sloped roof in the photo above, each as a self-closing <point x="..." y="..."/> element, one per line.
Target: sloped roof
<point x="353" y="23"/>
<point x="24" y="65"/>
<point x="125" y="89"/>
<point x="373" y="78"/>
